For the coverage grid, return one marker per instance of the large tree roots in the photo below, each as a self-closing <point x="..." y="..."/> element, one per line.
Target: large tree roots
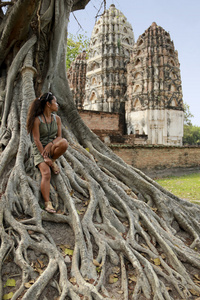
<point x="128" y="239"/>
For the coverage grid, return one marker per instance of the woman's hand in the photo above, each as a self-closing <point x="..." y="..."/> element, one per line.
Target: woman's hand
<point x="47" y="150"/>
<point x="48" y="161"/>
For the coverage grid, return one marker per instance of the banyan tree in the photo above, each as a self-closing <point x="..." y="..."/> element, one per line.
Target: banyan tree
<point x="117" y="234"/>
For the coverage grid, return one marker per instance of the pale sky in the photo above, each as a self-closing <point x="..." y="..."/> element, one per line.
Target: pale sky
<point x="181" y="18"/>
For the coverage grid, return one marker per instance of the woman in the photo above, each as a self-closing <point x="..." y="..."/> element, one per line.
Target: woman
<point x="48" y="144"/>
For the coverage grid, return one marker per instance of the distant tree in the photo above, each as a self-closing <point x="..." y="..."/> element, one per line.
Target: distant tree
<point x="75" y="45"/>
<point x="191" y="135"/>
<point x="187" y="114"/>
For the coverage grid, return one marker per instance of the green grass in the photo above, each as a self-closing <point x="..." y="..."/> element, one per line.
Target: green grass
<point x="185" y="187"/>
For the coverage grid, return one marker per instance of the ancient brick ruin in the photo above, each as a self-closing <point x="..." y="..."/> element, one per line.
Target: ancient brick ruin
<point x="77" y="78"/>
<point x="155" y="105"/>
<point x="111" y="43"/>
<point x="139" y="81"/>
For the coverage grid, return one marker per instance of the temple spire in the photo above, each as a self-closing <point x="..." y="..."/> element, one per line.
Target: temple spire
<point x="155" y="104"/>
<point x="111" y="42"/>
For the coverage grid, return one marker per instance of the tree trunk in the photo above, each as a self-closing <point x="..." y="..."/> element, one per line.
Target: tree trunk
<point x="128" y="237"/>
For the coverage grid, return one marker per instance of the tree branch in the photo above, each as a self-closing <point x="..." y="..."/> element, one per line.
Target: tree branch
<point x="79" y="4"/>
<point x="17" y="25"/>
<point x="6" y="3"/>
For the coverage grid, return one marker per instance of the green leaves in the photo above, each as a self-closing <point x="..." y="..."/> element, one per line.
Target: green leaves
<point x="68" y="251"/>
<point x="187" y="114"/>
<point x="8" y="296"/>
<point x="10" y="282"/>
<point x="191" y="135"/>
<point x="76" y="45"/>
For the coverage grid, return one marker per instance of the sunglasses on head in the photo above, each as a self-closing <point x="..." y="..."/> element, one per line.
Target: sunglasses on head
<point x="47" y="96"/>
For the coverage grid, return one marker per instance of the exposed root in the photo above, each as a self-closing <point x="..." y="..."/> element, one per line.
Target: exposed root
<point x="123" y="223"/>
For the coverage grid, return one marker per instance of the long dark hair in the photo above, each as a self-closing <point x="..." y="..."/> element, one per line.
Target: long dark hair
<point x="37" y="108"/>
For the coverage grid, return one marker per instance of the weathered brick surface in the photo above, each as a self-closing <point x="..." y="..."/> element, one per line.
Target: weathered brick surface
<point x="154" y="105"/>
<point x="76" y="75"/>
<point x="146" y="157"/>
<point x="111" y="42"/>
<point x="97" y="120"/>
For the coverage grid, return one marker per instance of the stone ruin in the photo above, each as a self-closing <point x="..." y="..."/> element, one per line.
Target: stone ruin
<point x="111" y="43"/>
<point x="77" y="78"/>
<point x="139" y="80"/>
<point x="154" y="94"/>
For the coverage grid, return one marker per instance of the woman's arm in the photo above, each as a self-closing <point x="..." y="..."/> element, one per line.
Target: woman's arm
<point x="59" y="132"/>
<point x="36" y="135"/>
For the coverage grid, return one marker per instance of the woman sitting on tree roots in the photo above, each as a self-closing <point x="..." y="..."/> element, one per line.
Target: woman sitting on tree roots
<point x="48" y="144"/>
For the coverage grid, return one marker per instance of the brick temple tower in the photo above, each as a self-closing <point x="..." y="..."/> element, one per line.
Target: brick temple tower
<point x="110" y="46"/>
<point x="76" y="77"/>
<point x="154" y="92"/>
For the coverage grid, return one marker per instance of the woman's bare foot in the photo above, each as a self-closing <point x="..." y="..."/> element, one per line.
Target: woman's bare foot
<point x="55" y="168"/>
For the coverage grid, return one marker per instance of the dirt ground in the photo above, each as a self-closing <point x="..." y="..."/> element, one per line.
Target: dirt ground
<point x="64" y="238"/>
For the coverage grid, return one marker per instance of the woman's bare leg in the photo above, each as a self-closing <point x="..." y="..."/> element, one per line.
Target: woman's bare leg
<point x="45" y="182"/>
<point x="45" y="185"/>
<point x="58" y="149"/>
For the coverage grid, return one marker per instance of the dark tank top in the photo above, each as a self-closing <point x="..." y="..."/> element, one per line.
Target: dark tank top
<point x="48" y="132"/>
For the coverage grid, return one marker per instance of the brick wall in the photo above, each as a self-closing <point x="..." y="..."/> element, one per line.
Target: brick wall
<point x="158" y="157"/>
<point x="110" y="126"/>
<point x="97" y="120"/>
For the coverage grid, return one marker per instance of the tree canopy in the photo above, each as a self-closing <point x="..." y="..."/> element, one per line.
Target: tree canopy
<point x="76" y="45"/>
<point x="187" y="114"/>
<point x="117" y="233"/>
<point x="191" y="135"/>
